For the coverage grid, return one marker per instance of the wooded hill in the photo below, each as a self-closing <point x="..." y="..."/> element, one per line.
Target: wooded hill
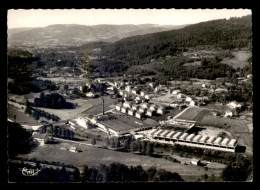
<point x="223" y="33"/>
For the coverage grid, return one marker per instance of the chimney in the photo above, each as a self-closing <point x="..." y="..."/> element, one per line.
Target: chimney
<point x="103" y="107"/>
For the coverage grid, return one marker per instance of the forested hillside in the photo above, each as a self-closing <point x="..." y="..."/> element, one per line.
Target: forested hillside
<point x="223" y="33"/>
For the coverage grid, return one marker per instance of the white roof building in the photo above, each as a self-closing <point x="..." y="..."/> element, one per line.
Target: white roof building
<point x="234" y="105"/>
<point x="196" y="139"/>
<point x="232" y="143"/>
<point x="203" y="139"/>
<point x="169" y="135"/>
<point x="183" y="136"/>
<point x="217" y="141"/>
<point x="177" y="135"/>
<point x="176" y="92"/>
<point x="190" y="137"/>
<point x="225" y="141"/>
<point x="210" y="140"/>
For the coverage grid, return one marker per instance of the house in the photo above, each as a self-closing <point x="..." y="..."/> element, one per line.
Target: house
<point x="249" y="76"/>
<point x="139" y="115"/>
<point x="150" y="113"/>
<point x="110" y="88"/>
<point x="142" y="93"/>
<point x="73" y="149"/>
<point x="90" y="94"/>
<point x="145" y="105"/>
<point x="192" y="103"/>
<point x="124" y="109"/>
<point x="128" y="88"/>
<point x="228" y="114"/>
<point x="127" y="104"/>
<point x="180" y="95"/>
<point x="175" y="92"/>
<point x="153" y="107"/>
<point x="195" y="161"/>
<point x="118" y="107"/>
<point x="135" y="91"/>
<point x="131" y="112"/>
<point x="135" y="107"/>
<point x="188" y="99"/>
<point x="204" y="85"/>
<point x="151" y="85"/>
<point x="161" y="110"/>
<point x="234" y="105"/>
<point x="121" y="93"/>
<point x="147" y="96"/>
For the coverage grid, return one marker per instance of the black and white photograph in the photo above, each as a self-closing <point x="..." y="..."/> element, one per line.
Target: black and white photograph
<point x="129" y="95"/>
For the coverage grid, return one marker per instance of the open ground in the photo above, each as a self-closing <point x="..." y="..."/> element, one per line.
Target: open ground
<point x="93" y="156"/>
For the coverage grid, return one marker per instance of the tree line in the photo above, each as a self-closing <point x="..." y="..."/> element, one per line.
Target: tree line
<point x="112" y="173"/>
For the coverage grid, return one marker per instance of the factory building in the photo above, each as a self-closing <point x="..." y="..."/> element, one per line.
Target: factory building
<point x="201" y="141"/>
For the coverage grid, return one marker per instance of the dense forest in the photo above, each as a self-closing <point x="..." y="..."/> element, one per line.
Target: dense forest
<point x="19" y="140"/>
<point x="54" y="101"/>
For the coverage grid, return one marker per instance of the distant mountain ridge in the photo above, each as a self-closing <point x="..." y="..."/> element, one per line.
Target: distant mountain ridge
<point x="75" y="34"/>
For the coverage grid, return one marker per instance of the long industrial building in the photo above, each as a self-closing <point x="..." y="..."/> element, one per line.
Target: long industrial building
<point x="201" y="141"/>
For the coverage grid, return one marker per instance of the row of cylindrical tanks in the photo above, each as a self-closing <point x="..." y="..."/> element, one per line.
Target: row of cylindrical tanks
<point x="192" y="138"/>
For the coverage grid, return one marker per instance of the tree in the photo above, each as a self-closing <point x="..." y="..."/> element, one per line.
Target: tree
<point x="149" y="149"/>
<point x="151" y="173"/>
<point x="46" y="138"/>
<point x="28" y="109"/>
<point x="66" y="87"/>
<point x="93" y="141"/>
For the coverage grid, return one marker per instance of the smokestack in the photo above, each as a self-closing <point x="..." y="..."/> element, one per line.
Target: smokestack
<point x="103" y="107"/>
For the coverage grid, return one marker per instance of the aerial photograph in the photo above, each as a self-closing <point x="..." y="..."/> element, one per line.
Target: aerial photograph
<point x="129" y="95"/>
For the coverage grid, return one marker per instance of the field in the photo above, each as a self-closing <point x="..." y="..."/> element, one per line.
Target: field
<point x="195" y="63"/>
<point x="96" y="107"/>
<point x="238" y="129"/>
<point x="193" y="113"/>
<point x="84" y="107"/>
<point x="93" y="156"/>
<point x="21" y="117"/>
<point x="239" y="60"/>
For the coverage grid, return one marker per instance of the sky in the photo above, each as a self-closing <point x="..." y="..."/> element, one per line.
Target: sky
<point x="44" y="17"/>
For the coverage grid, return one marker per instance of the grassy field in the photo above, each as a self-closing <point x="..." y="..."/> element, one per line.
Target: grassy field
<point x="194" y="113"/>
<point x="21" y="117"/>
<point x="93" y="156"/>
<point x="239" y="60"/>
<point x="195" y="63"/>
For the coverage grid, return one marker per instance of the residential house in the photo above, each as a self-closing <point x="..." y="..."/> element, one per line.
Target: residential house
<point x="176" y="92"/>
<point x="195" y="161"/>
<point x="234" y="105"/>
<point x="139" y="115"/>
<point x="161" y="110"/>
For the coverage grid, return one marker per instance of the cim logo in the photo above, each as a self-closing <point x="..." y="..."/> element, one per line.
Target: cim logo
<point x="29" y="172"/>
